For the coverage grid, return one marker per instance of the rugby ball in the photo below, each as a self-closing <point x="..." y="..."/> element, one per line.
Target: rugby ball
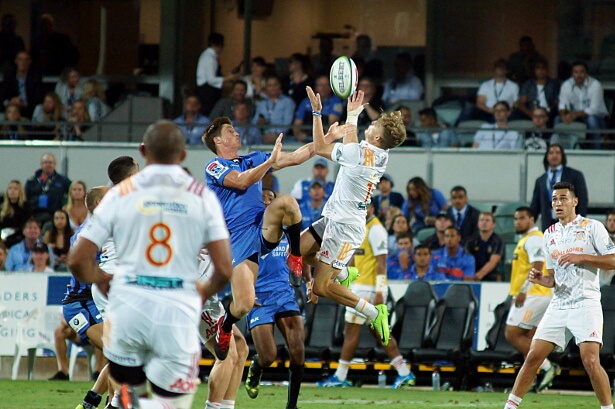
<point x="344" y="77"/>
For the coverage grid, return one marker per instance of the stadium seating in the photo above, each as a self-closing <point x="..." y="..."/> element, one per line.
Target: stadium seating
<point x="504" y="216"/>
<point x="466" y="131"/>
<point x="322" y="328"/>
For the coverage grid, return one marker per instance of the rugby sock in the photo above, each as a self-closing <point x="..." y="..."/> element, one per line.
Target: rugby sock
<point x="91" y="400"/>
<point x="366" y="309"/>
<point x="607" y="406"/>
<point x="229" y="320"/>
<point x="400" y="364"/>
<point x="257" y="369"/>
<point x="294" y="384"/>
<point x="212" y="405"/>
<point x="546" y="365"/>
<point x="343" y="274"/>
<point x="227" y="404"/>
<point x="342" y="370"/>
<point x="513" y="402"/>
<point x="294" y="238"/>
<point x="115" y="401"/>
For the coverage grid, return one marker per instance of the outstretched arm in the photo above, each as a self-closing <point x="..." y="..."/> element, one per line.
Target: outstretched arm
<point x="245" y="179"/>
<point x="355" y="107"/>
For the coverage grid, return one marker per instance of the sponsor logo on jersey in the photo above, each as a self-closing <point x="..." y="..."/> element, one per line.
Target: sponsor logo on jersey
<point x="552" y="242"/>
<point x="556" y="254"/>
<point x="152" y="205"/>
<point x="338" y="264"/>
<point x="253" y="320"/>
<point x="215" y="169"/>
<point x="594" y="335"/>
<point x="324" y="254"/>
<point x="608" y="242"/>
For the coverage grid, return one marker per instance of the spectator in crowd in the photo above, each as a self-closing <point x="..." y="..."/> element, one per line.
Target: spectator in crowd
<point x="51" y="110"/>
<point x="312" y="208"/>
<point x="370" y="96"/>
<point x="390" y="215"/>
<point x="256" y="80"/>
<point x="331" y="110"/>
<point x="536" y="138"/>
<point x="406" y="117"/>
<point x="300" y="75"/>
<point x="58" y="239"/>
<point x="78" y="119"/>
<point x="4" y="251"/>
<point x="452" y="260"/>
<point x="434" y="136"/>
<point x="521" y="63"/>
<point x="497" y="136"/>
<point x="399" y="226"/>
<point x="320" y="170"/>
<point x="249" y="134"/>
<point x="422" y="268"/>
<point x="47" y="189"/>
<point x="21" y="85"/>
<point x="422" y="204"/>
<point x="322" y="62"/>
<point x="192" y="122"/>
<point x="386" y="198"/>
<point x="610" y="223"/>
<point x="399" y="261"/>
<point x="277" y="110"/>
<point x="10" y="43"/>
<point x="581" y="99"/>
<point x="52" y="51"/>
<point x="18" y="130"/>
<point x="436" y="240"/>
<point x="209" y="79"/>
<point x="487" y="248"/>
<point x="404" y="86"/>
<point x="19" y="257"/>
<point x="556" y="171"/>
<point x="540" y="91"/>
<point x="69" y="87"/>
<point x="465" y="216"/>
<point x="15" y="212"/>
<point x="492" y="91"/>
<point x="373" y="66"/>
<point x="94" y="96"/>
<point x="40" y="259"/>
<point x="224" y="107"/>
<point x="75" y="205"/>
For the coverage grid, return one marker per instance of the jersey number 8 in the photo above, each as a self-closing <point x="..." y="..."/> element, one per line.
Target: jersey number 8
<point x="159" y="235"/>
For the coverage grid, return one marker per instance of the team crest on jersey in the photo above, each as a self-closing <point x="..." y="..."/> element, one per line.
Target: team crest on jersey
<point x="580" y="236"/>
<point x="215" y="169"/>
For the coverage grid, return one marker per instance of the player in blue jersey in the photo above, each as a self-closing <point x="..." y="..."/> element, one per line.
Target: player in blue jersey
<point x="277" y="305"/>
<point x="236" y="180"/>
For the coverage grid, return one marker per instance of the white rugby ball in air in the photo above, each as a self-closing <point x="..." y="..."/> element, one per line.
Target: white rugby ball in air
<point x="344" y="77"/>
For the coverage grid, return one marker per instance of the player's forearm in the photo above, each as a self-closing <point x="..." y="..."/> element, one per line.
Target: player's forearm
<point x="249" y="177"/>
<point x="318" y="135"/>
<point x="296" y="157"/>
<point x="606" y="262"/>
<point x="488" y="267"/>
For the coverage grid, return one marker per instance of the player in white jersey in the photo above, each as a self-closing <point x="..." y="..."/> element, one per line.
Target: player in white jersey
<point x="160" y="219"/>
<point x="575" y="248"/>
<point x="342" y="229"/>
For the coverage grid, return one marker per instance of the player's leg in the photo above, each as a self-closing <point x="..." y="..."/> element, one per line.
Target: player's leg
<point x="62" y="333"/>
<point x="221" y="372"/>
<point x="266" y="352"/>
<point x="519" y="338"/>
<point x="404" y="376"/>
<point x="94" y="396"/>
<point x="310" y="245"/>
<point x="590" y="355"/>
<point x="241" y="346"/>
<point x="292" y="330"/>
<point x="284" y="211"/>
<point x="349" y="347"/>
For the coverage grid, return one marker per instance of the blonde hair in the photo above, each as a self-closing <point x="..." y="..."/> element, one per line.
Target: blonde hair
<point x="393" y="129"/>
<point x="58" y="108"/>
<point x="7" y="207"/>
<point x="70" y="203"/>
<point x="93" y="88"/>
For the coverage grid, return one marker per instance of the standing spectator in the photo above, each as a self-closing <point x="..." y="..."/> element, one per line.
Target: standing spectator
<point x="536" y="139"/>
<point x="58" y="238"/>
<point x="399" y="261"/>
<point x="15" y="212"/>
<point x="404" y="86"/>
<point x="452" y="260"/>
<point x="610" y="223"/>
<point x="51" y="110"/>
<point x="373" y="66"/>
<point x="277" y="110"/>
<point x="299" y="76"/>
<point x="399" y="226"/>
<point x="78" y="119"/>
<point x="10" y="43"/>
<point x="75" y="206"/>
<point x="94" y="97"/>
<point x="320" y="170"/>
<point x="422" y="204"/>
<point x="192" y="122"/>
<point x="487" y="249"/>
<point x="52" y="51"/>
<point x="46" y="190"/>
<point x="224" y="107"/>
<point x="465" y="217"/>
<point x="22" y="85"/>
<point x="370" y="96"/>
<point x="69" y="87"/>
<point x="17" y="131"/>
<point x="19" y="257"/>
<point x="495" y="90"/>
<point x="331" y="110"/>
<point x="521" y="63"/>
<point x="312" y="209"/>
<point x="209" y="79"/>
<point x="40" y="259"/>
<point x="581" y="99"/>
<point x="322" y="62"/>
<point x="434" y="136"/>
<point x="436" y="240"/>
<point x="3" y="253"/>
<point x="497" y="136"/>
<point x="255" y="81"/>
<point x="540" y="91"/>
<point x="387" y="197"/>
<point x="556" y="171"/>
<point x="249" y="134"/>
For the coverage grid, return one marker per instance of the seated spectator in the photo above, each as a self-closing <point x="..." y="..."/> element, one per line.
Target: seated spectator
<point x="312" y="209"/>
<point x="78" y="119"/>
<point x="69" y="87"/>
<point x="320" y="170"/>
<point x="277" y="110"/>
<point x="58" y="239"/>
<point x="432" y="137"/>
<point x="322" y="62"/>
<point x="436" y="240"/>
<point x="487" y="248"/>
<point x="94" y="97"/>
<point x="386" y="198"/>
<point x="495" y="90"/>
<point x="581" y="99"/>
<point x="21" y="85"/>
<point x="372" y="65"/>
<point x="18" y="130"/>
<point x="51" y="110"/>
<point x="422" y="204"/>
<point x="192" y="122"/>
<point x="224" y="107"/>
<point x="465" y="217"/>
<point x="422" y="269"/>
<point x="399" y="260"/>
<point x="15" y="212"/>
<point x="19" y="257"/>
<point x="452" y="260"/>
<point x="536" y="139"/>
<point x="610" y="223"/>
<point x="47" y="189"/>
<point x="40" y="259"/>
<point x="300" y="75"/>
<point x="256" y="80"/>
<point x="539" y="92"/>
<point x="75" y="206"/>
<point x="4" y="251"/>
<point x="404" y="86"/>
<point x="370" y="97"/>
<point x="332" y="108"/>
<point x="521" y="63"/>
<point x="399" y="225"/>
<point x="249" y="134"/>
<point x="406" y="117"/>
<point x="390" y="215"/>
<point x="503" y="138"/>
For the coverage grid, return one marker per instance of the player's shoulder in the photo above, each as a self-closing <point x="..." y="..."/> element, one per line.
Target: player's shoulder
<point x="216" y="167"/>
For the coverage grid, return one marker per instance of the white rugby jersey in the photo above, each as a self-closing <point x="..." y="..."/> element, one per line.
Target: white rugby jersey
<point x="206" y="268"/>
<point x="362" y="165"/>
<point x="108" y="257"/>
<point x="575" y="284"/>
<point x="159" y="220"/>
